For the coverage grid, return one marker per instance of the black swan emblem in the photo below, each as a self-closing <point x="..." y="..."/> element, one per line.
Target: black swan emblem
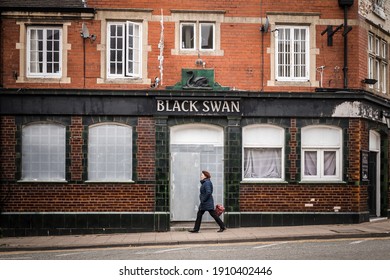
<point x="197" y="82"/>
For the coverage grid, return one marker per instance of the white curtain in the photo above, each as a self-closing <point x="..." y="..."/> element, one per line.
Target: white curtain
<point x="329" y="158"/>
<point x="329" y="163"/>
<point x="188" y="34"/>
<point x="34" y="51"/>
<point x="311" y="163"/>
<point x="262" y="163"/>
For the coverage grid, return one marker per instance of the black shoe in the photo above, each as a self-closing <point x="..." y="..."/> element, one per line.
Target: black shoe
<point x="221" y="230"/>
<point x="193" y="231"/>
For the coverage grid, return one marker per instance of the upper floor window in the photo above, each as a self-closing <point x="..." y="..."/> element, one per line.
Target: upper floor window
<point x="43" y="152"/>
<point x="263" y="153"/>
<point x="124" y="51"/>
<point x="190" y="40"/>
<point x="197" y="32"/>
<point x="44" y="48"/>
<point x="292" y="53"/>
<point x="110" y="154"/>
<point x="378" y="63"/>
<point x="321" y="153"/>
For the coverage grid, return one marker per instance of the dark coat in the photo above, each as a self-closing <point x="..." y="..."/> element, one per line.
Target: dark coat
<point x="206" y="195"/>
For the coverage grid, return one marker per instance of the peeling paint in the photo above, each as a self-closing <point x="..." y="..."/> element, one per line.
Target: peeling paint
<point x="356" y="109"/>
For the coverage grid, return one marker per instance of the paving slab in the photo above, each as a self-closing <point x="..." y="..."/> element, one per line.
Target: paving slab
<point x="380" y="228"/>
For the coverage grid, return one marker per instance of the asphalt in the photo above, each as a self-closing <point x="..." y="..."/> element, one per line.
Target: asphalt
<point x="376" y="228"/>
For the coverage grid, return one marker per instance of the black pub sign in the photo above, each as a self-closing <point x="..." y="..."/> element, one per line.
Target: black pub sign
<point x="198" y="106"/>
<point x="364" y="165"/>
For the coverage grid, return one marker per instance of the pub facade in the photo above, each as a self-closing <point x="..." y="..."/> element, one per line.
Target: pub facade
<point x="109" y="114"/>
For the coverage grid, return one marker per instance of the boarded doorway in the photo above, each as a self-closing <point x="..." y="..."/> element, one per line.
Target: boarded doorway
<point x="374" y="186"/>
<point x="193" y="148"/>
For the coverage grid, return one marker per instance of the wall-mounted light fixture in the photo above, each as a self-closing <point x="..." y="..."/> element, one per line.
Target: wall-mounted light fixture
<point x="369" y="81"/>
<point x="199" y="61"/>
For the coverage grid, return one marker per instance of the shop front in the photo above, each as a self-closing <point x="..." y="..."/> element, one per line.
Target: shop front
<point x="276" y="159"/>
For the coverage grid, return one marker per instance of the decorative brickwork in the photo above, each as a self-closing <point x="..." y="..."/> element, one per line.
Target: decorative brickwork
<point x="146" y="151"/>
<point x="354" y="144"/>
<point x="293" y="154"/>
<point x="76" y="149"/>
<point x="7" y="148"/>
<point x="77" y="196"/>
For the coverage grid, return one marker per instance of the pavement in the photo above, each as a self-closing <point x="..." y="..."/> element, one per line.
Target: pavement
<point x="375" y="228"/>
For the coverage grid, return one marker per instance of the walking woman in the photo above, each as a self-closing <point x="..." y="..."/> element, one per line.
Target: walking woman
<point x="206" y="203"/>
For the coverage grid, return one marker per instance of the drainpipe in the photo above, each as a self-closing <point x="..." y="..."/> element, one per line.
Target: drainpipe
<point x="345" y="69"/>
<point x="345" y="4"/>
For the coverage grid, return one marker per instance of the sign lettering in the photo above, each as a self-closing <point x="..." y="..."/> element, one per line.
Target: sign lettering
<point x="198" y="106"/>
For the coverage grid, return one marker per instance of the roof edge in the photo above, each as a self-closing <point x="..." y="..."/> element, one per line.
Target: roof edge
<point x="47" y="9"/>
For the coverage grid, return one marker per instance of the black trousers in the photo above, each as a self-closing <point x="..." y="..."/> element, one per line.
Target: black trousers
<point x="213" y="214"/>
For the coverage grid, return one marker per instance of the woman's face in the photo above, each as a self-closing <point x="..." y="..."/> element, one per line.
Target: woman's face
<point x="202" y="177"/>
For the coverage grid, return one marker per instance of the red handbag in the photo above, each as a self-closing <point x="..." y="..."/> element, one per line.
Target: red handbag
<point x="219" y="209"/>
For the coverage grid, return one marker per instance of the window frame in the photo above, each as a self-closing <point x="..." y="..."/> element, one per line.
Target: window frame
<point x="201" y="36"/>
<point x="126" y="72"/>
<point x="377" y="46"/>
<point x="92" y="163"/>
<point x="197" y="28"/>
<point x="276" y="132"/>
<point x="377" y="63"/>
<point x="384" y="78"/>
<point x="193" y="24"/>
<point x="320" y="148"/>
<point x="44" y="74"/>
<point x="292" y="54"/>
<point x="26" y="160"/>
<point x="384" y="49"/>
<point x="320" y="168"/>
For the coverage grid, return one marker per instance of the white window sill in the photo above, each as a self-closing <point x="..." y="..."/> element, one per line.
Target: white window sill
<point x="259" y="181"/>
<point x="305" y="82"/>
<point x="44" y="80"/>
<point x="323" y="181"/>
<point x="195" y="52"/>
<point x="110" y="181"/>
<point x="123" y="80"/>
<point x="41" y="181"/>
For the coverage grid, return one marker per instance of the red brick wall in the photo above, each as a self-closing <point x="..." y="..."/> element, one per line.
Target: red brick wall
<point x="146" y="154"/>
<point x="293" y="156"/>
<point x="7" y="148"/>
<point x="292" y="198"/>
<point x="79" y="197"/>
<point x="237" y="8"/>
<point x="355" y="146"/>
<point x="350" y="197"/>
<point x="10" y="55"/>
<point x="241" y="65"/>
<point x="76" y="149"/>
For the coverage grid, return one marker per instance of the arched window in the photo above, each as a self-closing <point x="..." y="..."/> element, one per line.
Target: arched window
<point x="321" y="153"/>
<point x="263" y="152"/>
<point x="110" y="154"/>
<point x="43" y="152"/>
